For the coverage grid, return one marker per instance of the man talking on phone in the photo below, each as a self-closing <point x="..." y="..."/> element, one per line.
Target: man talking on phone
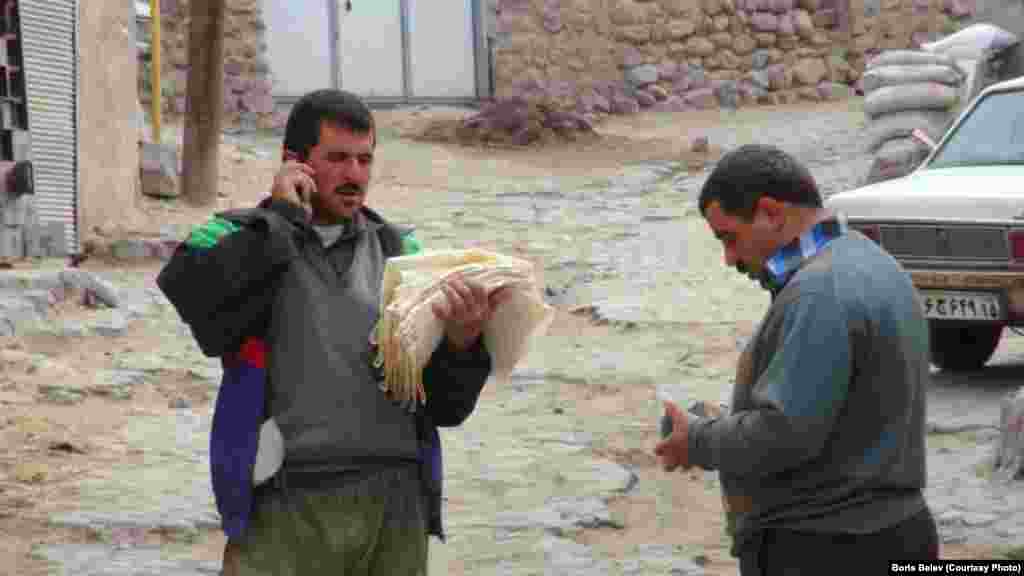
<point x="287" y="295"/>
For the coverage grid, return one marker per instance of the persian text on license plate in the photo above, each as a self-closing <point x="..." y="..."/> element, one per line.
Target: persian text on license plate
<point x="961" y="305"/>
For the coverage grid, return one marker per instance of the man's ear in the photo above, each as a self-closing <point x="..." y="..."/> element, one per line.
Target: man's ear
<point x="772" y="211"/>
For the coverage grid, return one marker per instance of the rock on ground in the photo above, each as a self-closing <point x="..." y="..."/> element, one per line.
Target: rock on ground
<point x="159" y="170"/>
<point x="1010" y="454"/>
<point x="512" y="122"/>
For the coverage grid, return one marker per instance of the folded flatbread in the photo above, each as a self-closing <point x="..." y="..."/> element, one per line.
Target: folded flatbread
<point x="408" y="331"/>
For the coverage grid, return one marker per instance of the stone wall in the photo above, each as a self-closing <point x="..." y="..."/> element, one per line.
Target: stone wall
<point x="109" y="161"/>
<point x="620" y="56"/>
<point x="246" y="72"/>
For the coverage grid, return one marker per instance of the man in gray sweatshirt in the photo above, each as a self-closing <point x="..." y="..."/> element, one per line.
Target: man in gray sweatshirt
<point x="822" y="454"/>
<point x="286" y="294"/>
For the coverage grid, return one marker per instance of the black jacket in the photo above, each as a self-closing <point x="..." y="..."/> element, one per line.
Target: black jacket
<point x="223" y="281"/>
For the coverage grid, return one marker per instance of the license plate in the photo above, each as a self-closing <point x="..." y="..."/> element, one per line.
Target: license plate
<point x="941" y="305"/>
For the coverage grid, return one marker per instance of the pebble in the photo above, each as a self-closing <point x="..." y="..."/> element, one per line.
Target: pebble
<point x="659" y="559"/>
<point x="64" y="395"/>
<point x="71" y="329"/>
<point x="209" y="373"/>
<point x="685" y="568"/>
<point x="561" y="516"/>
<point x="18" y="310"/>
<point x="568" y="558"/>
<point x="113" y="325"/>
<point x="6" y="327"/>
<point x="41" y="299"/>
<point x="599" y="477"/>
<point x="99" y="560"/>
<point x="31" y="280"/>
<point x="978" y="519"/>
<point x="88" y="282"/>
<point x="117" y="384"/>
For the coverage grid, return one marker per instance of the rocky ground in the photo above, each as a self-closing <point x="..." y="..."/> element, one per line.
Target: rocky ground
<point x="106" y="411"/>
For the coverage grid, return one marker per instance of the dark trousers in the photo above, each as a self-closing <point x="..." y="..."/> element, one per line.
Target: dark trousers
<point x="783" y="552"/>
<point x="373" y="526"/>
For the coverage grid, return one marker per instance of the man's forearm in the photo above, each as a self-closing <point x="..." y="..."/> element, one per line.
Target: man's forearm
<point x="755" y="442"/>
<point x="453" y="380"/>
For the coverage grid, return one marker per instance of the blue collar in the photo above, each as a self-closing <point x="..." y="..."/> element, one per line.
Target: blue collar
<point x="781" y="266"/>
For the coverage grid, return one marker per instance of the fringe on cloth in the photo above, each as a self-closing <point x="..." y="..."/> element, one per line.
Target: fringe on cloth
<point x="408" y="331"/>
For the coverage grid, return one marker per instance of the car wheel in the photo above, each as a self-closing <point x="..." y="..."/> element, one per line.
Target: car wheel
<point x="957" y="346"/>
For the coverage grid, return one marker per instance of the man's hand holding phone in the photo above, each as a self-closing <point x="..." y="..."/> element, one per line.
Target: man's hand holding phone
<point x="294" y="183"/>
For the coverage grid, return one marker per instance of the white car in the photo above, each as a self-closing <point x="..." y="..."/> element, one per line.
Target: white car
<point x="956" y="224"/>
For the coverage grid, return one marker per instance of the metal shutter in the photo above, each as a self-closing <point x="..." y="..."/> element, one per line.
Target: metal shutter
<point x="49" y="47"/>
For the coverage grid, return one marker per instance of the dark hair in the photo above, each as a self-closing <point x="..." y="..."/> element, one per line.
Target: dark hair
<point x="750" y="172"/>
<point x="337" y="107"/>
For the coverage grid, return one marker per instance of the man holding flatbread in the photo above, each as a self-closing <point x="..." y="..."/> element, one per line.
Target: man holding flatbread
<point x="287" y="295"/>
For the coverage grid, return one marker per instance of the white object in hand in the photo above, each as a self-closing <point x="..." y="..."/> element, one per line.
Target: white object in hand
<point x="269" y="453"/>
<point x="409" y="331"/>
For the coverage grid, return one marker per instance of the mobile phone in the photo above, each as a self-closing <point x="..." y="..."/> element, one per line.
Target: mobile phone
<point x="293" y="156"/>
<point x="698" y="409"/>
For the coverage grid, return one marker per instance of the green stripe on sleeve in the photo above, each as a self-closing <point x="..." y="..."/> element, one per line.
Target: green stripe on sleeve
<point x="411" y="245"/>
<point x="209" y="234"/>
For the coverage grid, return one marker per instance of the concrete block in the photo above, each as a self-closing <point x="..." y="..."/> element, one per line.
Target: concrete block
<point x="14" y="212"/>
<point x="53" y="241"/>
<point x="9" y="115"/>
<point x="158" y="170"/>
<point x="42" y="300"/>
<point x="1010" y="451"/>
<point x="33" y="233"/>
<point x="22" y="145"/>
<point x="18" y="310"/>
<point x="12" y="244"/>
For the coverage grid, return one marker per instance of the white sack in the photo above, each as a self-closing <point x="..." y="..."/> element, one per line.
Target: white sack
<point x="900" y="124"/>
<point x="1010" y="448"/>
<point x="920" y="96"/>
<point x="895" y="159"/>
<point x="975" y="42"/>
<point x="896" y="75"/>
<point x="909" y="58"/>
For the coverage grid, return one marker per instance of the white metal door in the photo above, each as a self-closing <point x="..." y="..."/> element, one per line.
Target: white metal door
<point x="297" y="46"/>
<point x="441" y="49"/>
<point x="49" y="48"/>
<point x="371" y="48"/>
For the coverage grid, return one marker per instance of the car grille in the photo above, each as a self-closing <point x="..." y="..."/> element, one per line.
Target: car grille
<point x="945" y="242"/>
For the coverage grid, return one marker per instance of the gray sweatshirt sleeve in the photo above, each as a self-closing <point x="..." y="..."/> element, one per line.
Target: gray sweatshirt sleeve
<point x="794" y="401"/>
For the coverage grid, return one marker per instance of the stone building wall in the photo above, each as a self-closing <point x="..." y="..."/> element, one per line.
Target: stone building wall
<point x="247" y="82"/>
<point x="620" y="56"/>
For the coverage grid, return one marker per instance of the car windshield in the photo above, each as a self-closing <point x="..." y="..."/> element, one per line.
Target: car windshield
<point x="993" y="133"/>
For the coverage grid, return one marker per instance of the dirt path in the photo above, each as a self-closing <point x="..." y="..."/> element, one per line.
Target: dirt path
<point x="104" y="430"/>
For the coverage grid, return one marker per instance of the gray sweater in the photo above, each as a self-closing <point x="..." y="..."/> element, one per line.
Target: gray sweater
<point x="826" y="430"/>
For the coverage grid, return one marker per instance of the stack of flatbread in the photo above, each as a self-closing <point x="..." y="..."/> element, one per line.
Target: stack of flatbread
<point x="409" y="331"/>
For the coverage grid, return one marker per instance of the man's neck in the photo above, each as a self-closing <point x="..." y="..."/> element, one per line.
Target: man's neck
<point x="789" y="256"/>
<point x="803" y="220"/>
<point x="330" y="221"/>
